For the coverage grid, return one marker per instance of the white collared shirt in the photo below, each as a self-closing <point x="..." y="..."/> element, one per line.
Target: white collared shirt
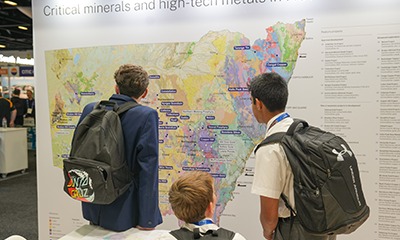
<point x="273" y="174"/>
<point x="203" y="229"/>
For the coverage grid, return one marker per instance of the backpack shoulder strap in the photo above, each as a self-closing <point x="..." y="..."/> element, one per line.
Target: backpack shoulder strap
<point x="294" y="126"/>
<point x="103" y="103"/>
<point x="274" y="138"/>
<point x="126" y="106"/>
<point x="277" y="137"/>
<point x="182" y="234"/>
<point x="118" y="109"/>
<point x="225" y="233"/>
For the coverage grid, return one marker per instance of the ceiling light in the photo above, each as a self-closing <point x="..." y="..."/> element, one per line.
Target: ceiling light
<point x="22" y="27"/>
<point x="11" y="3"/>
<point x="2" y="46"/>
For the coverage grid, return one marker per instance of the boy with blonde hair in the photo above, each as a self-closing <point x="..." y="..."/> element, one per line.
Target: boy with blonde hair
<point x="193" y="201"/>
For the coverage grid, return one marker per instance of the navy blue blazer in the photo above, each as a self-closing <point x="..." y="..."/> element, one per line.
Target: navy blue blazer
<point x="139" y="204"/>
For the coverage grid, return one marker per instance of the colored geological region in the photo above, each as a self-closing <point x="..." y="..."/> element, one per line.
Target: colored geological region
<point x="199" y="89"/>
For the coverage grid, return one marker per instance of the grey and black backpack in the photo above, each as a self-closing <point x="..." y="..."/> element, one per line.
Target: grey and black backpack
<point x="96" y="170"/>
<point x="327" y="186"/>
<point x="220" y="234"/>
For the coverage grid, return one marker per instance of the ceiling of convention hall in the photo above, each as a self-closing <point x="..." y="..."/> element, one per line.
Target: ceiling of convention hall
<point x="15" y="26"/>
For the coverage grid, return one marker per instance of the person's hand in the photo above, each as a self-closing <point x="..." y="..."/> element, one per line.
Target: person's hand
<point x="11" y="124"/>
<point x="142" y="228"/>
<point x="268" y="235"/>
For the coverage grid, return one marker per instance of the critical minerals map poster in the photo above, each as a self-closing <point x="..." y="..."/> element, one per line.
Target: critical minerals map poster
<point x="199" y="89"/>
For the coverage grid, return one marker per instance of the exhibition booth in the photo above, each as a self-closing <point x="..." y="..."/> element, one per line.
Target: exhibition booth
<point x="13" y="141"/>
<point x="340" y="59"/>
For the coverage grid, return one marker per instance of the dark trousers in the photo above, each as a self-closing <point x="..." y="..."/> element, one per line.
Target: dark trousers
<point x="282" y="232"/>
<point x="19" y="120"/>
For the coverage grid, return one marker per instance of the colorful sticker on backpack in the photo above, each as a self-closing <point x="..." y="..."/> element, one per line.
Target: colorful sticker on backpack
<point x="80" y="185"/>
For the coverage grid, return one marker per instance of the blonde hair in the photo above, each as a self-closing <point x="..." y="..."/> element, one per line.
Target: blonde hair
<point x="191" y="194"/>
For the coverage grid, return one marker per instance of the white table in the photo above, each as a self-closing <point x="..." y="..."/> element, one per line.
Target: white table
<point x="13" y="150"/>
<point x="90" y="232"/>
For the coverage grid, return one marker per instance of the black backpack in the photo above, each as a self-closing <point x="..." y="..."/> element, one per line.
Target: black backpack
<point x="327" y="188"/>
<point x="96" y="170"/>
<point x="220" y="234"/>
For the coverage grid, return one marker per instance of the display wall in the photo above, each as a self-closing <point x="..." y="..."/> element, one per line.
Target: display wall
<point x="341" y="59"/>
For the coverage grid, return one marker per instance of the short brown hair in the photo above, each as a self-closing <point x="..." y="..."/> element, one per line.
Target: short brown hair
<point x="131" y="80"/>
<point x="191" y="194"/>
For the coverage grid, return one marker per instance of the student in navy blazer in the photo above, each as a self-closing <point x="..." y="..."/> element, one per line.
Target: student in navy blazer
<point x="138" y="206"/>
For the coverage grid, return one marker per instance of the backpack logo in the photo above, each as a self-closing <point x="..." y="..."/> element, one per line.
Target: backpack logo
<point x="341" y="153"/>
<point x="80" y="185"/>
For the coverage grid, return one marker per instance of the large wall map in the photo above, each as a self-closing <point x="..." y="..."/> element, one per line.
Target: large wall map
<point x="199" y="89"/>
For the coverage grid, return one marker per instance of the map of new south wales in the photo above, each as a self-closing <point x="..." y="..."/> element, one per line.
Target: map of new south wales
<point x="198" y="88"/>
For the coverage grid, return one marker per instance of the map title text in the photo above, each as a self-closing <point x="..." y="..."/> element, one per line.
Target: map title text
<point x="124" y="6"/>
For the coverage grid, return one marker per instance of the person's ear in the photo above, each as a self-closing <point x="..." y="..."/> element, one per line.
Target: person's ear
<point x="210" y="210"/>
<point x="116" y="89"/>
<point x="145" y="93"/>
<point x="259" y="104"/>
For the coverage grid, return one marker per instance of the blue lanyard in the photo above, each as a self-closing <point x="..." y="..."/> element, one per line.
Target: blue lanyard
<point x="203" y="222"/>
<point x="280" y="118"/>
<point x="27" y="102"/>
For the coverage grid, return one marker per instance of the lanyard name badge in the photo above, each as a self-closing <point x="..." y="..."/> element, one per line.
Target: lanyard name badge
<point x="29" y="111"/>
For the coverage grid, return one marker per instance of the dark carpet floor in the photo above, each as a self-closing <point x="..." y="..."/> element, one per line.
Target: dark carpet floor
<point x="18" y="202"/>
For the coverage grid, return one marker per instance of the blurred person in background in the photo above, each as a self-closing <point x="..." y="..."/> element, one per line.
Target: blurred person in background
<point x="30" y="104"/>
<point x="20" y="105"/>
<point x="7" y="110"/>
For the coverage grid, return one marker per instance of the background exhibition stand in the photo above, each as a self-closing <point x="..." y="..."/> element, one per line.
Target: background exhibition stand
<point x="13" y="150"/>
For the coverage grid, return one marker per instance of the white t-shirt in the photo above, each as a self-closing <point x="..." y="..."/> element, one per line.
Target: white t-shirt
<point x="203" y="228"/>
<point x="273" y="174"/>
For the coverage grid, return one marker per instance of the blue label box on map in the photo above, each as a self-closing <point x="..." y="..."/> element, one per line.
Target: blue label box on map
<point x="172" y="114"/>
<point x="154" y="77"/>
<point x="241" y="47"/>
<point x="165" y="110"/>
<point x="278" y="64"/>
<point x="238" y="89"/>
<point x="218" y="175"/>
<point x="168" y="127"/>
<point x="165" y="167"/>
<point x="168" y="91"/>
<point x="218" y="127"/>
<point x="206" y="139"/>
<point x="231" y="132"/>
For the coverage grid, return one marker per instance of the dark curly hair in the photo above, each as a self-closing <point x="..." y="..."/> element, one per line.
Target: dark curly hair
<point x="132" y="80"/>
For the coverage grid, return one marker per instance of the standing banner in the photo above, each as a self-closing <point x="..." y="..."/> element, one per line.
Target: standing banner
<point x="339" y="57"/>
